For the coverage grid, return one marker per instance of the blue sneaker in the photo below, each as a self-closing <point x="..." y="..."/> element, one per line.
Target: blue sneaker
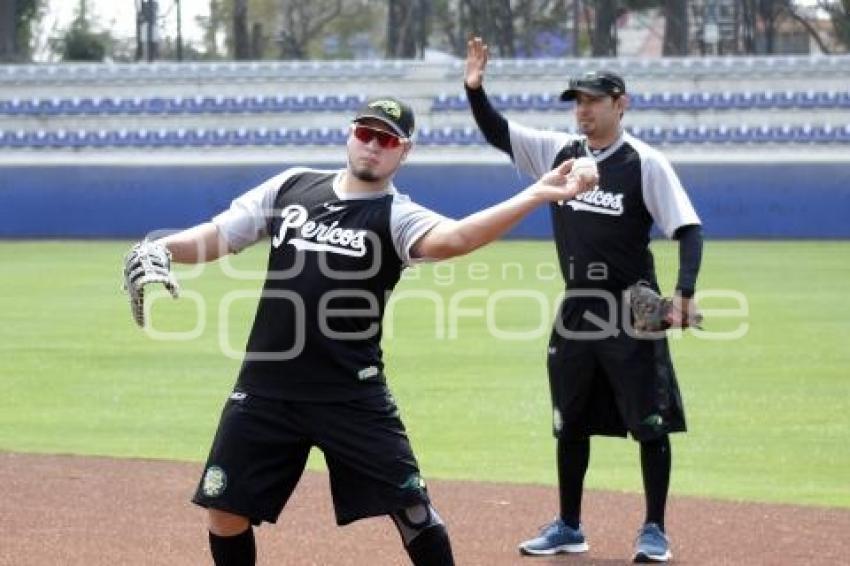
<point x="652" y="545"/>
<point x="555" y="538"/>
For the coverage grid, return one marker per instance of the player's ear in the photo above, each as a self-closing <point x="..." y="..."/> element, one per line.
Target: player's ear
<point x="622" y="102"/>
<point x="407" y="147"/>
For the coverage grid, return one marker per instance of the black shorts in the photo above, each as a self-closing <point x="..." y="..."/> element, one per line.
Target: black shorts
<point x="612" y="385"/>
<point x="261" y="447"/>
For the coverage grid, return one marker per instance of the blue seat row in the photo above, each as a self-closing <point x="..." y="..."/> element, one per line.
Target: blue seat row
<point x="668" y="101"/>
<point x="247" y="71"/>
<point x="221" y="71"/>
<point x="455" y="102"/>
<point x="180" y="105"/>
<point x="196" y="138"/>
<point x="172" y="138"/>
<point x="682" y="135"/>
<point x="691" y="67"/>
<point x="744" y="134"/>
<point x="523" y="101"/>
<point x="741" y="100"/>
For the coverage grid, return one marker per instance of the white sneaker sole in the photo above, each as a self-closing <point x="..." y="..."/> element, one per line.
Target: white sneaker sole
<point x="563" y="549"/>
<point x="644" y="558"/>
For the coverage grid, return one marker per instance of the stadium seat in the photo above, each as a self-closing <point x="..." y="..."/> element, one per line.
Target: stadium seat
<point x="826" y="99"/>
<point x="822" y="134"/>
<point x="654" y="135"/>
<point x="764" y="100"/>
<point x="802" y="134"/>
<point x="440" y="102"/>
<point x="544" y="102"/>
<point x="96" y="138"/>
<point x="742" y="100"/>
<point x="153" y="105"/>
<point x="682" y="101"/>
<point x="18" y="139"/>
<point x="678" y="135"/>
<point x="260" y="137"/>
<point x="718" y="135"/>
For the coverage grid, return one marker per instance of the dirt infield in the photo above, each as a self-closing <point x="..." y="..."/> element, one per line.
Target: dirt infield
<point x="68" y="510"/>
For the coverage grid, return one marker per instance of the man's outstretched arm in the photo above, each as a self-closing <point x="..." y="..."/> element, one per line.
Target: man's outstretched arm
<point x="198" y="244"/>
<point x="457" y="237"/>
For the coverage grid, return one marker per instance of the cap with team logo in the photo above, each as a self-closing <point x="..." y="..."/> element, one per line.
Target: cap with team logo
<point x="391" y="111"/>
<point x="595" y="83"/>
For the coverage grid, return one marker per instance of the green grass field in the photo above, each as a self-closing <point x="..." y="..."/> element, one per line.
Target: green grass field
<point x="769" y="412"/>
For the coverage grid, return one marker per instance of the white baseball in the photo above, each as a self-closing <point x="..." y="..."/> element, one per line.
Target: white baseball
<point x="584" y="166"/>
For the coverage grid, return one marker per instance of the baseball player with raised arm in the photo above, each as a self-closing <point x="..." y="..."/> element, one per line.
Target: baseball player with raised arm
<point x="604" y="379"/>
<point x="313" y="373"/>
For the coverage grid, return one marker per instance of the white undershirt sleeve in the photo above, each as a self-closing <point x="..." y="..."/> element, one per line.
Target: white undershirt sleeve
<point x="535" y="150"/>
<point x="664" y="196"/>
<point x="409" y="222"/>
<point x="246" y="221"/>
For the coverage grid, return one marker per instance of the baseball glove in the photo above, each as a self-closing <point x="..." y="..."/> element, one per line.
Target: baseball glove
<point x="147" y="262"/>
<point x="651" y="311"/>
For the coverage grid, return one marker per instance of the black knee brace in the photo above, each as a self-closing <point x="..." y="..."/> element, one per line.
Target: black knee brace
<point x="424" y="535"/>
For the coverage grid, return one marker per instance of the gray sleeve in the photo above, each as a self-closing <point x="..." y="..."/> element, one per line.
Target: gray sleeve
<point x="534" y="150"/>
<point x="409" y="222"/>
<point x="664" y="196"/>
<point x="245" y="222"/>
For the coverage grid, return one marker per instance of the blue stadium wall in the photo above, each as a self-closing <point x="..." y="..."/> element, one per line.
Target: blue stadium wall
<point x="785" y="200"/>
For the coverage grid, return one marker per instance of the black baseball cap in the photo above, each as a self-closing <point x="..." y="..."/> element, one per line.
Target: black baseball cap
<point x="391" y="111"/>
<point x="595" y="83"/>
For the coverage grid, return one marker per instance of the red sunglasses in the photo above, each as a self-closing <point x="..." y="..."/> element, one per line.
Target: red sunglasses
<point x="366" y="134"/>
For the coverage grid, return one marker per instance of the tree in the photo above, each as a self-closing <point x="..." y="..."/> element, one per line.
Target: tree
<point x="80" y="42"/>
<point x="212" y="26"/>
<point x="769" y="14"/>
<point x="303" y="21"/>
<point x="408" y="24"/>
<point x="8" y="34"/>
<point x="675" y="27"/>
<point x="791" y="10"/>
<point x="839" y="14"/>
<point x="452" y="29"/>
<point x="493" y="20"/>
<point x="241" y="41"/>
<point x="356" y="33"/>
<point x="16" y="20"/>
<point x="760" y="21"/>
<point x="748" y="25"/>
<point x="604" y="34"/>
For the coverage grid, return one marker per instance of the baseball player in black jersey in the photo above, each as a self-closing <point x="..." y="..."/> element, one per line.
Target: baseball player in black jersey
<point x="608" y="382"/>
<point x="313" y="373"/>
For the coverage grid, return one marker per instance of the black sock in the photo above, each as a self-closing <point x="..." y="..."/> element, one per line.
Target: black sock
<point x="431" y="547"/>
<point x="573" y="458"/>
<point x="655" y="463"/>
<point x="238" y="550"/>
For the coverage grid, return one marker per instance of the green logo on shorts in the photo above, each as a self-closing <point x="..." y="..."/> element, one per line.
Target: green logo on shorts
<point x="655" y="421"/>
<point x="414" y="482"/>
<point x="215" y="480"/>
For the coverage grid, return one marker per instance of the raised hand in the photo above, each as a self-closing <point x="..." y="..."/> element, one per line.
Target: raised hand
<point x="476" y="61"/>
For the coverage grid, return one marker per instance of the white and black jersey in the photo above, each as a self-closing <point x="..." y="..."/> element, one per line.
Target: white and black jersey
<point x="602" y="236"/>
<point x="333" y="261"/>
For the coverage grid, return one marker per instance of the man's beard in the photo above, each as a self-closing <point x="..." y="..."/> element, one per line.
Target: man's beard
<point x="364" y="174"/>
